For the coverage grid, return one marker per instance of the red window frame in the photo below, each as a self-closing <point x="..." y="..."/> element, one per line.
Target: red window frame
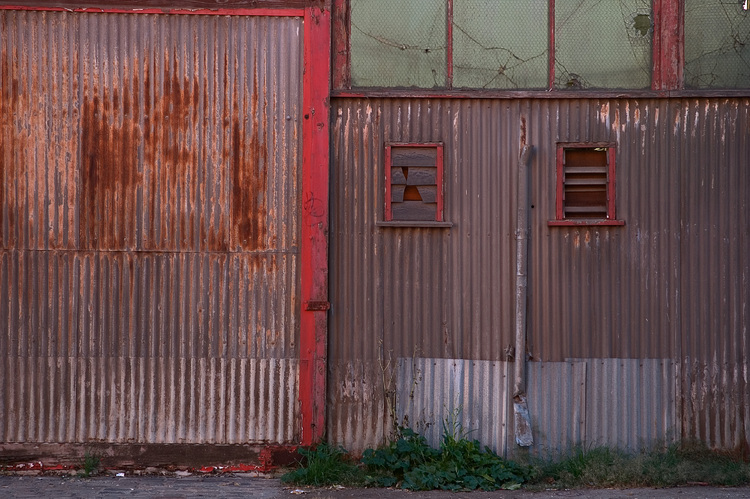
<point x="560" y="219"/>
<point x="438" y="146"/>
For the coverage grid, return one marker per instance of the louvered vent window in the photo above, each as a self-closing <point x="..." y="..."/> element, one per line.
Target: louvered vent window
<point x="414" y="183"/>
<point x="585" y="185"/>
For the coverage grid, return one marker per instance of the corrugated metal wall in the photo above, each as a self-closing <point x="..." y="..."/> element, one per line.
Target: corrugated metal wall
<point x="671" y="286"/>
<point x="149" y="229"/>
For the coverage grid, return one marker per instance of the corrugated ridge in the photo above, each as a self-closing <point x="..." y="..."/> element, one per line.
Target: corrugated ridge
<point x="669" y="284"/>
<point x="149" y="227"/>
<point x="148" y="400"/>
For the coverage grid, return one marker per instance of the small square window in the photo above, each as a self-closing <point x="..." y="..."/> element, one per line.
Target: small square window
<point x="585" y="185"/>
<point x="414" y="183"/>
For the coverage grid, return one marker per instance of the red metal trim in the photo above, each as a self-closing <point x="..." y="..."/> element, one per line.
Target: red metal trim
<point x="388" y="209"/>
<point x="203" y="12"/>
<point x="314" y="245"/>
<point x="449" y="43"/>
<point x="611" y="184"/>
<point x="668" y="45"/>
<point x="440" y="187"/>
<point x="559" y="213"/>
<point x="551" y="62"/>
<point x="342" y="62"/>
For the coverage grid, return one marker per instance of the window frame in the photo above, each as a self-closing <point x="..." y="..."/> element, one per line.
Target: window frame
<point x="439" y="221"/>
<point x="611" y="189"/>
<point x="667" y="63"/>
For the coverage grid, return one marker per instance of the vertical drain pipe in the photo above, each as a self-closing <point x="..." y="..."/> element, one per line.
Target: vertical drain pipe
<point x="522" y="421"/>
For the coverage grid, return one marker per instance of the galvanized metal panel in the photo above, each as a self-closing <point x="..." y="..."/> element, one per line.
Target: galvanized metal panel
<point x="557" y="406"/>
<point x="630" y="403"/>
<point x="149" y="225"/>
<point x="466" y="398"/>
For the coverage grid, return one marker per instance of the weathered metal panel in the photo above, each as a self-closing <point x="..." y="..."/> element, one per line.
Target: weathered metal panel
<point x="607" y="292"/>
<point x="159" y="132"/>
<point x="630" y="403"/>
<point x="715" y="269"/>
<point x="557" y="406"/>
<point x="465" y="397"/>
<point x="627" y="403"/>
<point x="149" y="225"/>
<point x="672" y="283"/>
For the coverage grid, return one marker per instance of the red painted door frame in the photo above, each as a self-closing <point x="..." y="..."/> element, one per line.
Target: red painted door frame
<point x="314" y="217"/>
<point x="314" y="245"/>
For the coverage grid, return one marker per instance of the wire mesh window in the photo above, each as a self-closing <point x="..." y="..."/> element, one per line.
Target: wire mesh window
<point x="717" y="44"/>
<point x="603" y="44"/>
<point x="398" y="44"/>
<point x="501" y="44"/>
<point x="492" y="49"/>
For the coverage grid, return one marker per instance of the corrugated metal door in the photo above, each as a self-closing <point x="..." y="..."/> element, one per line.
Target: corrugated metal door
<point x="149" y="227"/>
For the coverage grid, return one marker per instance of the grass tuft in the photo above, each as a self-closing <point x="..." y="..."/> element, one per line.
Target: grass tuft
<point x="671" y="466"/>
<point x="325" y="465"/>
<point x="90" y="465"/>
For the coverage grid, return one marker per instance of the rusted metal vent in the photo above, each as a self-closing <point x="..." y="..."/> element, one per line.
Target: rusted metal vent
<point x="585" y="182"/>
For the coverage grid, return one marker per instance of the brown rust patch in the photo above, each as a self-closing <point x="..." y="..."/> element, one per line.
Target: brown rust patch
<point x="14" y="143"/>
<point x="109" y="171"/>
<point x="249" y="177"/>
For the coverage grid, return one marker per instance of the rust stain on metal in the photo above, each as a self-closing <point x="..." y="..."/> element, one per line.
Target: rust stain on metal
<point x="249" y="177"/>
<point x="109" y="171"/>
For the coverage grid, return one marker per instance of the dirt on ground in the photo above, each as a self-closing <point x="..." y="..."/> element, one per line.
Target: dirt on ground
<point x="243" y="486"/>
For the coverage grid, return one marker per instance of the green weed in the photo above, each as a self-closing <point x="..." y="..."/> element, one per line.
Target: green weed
<point x="459" y="464"/>
<point x="90" y="465"/>
<point x="325" y="465"/>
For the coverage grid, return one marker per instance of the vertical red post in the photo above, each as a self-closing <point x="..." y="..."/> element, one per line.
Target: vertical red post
<point x="314" y="245"/>
<point x="342" y="64"/>
<point x="668" y="45"/>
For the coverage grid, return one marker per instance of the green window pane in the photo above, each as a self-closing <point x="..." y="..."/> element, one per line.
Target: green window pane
<point x="603" y="44"/>
<point x="397" y="43"/>
<point x="717" y="44"/>
<point x="500" y="44"/>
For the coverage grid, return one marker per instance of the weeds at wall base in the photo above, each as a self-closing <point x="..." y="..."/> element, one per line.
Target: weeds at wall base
<point x="460" y="464"/>
<point x="684" y="463"/>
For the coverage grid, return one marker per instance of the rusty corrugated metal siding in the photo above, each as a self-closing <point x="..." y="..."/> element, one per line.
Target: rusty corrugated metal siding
<point x="149" y="227"/>
<point x="671" y="286"/>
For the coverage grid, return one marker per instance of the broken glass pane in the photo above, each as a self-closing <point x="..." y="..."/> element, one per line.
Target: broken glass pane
<point x="602" y="44"/>
<point x="717" y="44"/>
<point x="500" y="44"/>
<point x="395" y="43"/>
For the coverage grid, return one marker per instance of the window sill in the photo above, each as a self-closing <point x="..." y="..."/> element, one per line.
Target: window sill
<point x="574" y="223"/>
<point x="415" y="223"/>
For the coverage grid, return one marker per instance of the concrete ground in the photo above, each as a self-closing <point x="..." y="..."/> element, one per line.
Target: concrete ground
<point x="242" y="486"/>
